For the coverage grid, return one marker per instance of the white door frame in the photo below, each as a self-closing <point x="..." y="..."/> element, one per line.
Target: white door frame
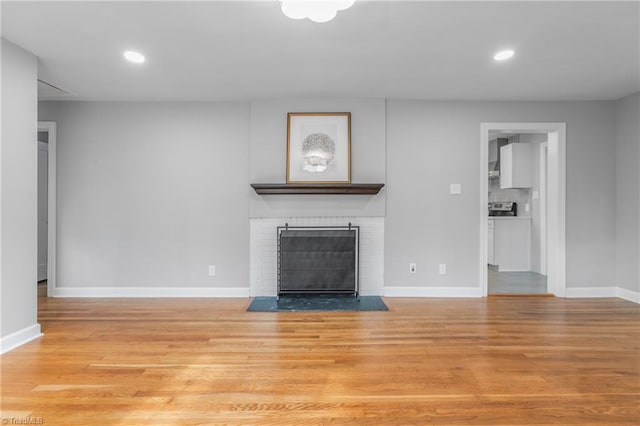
<point x="556" y="199"/>
<point x="51" y="128"/>
<point x="543" y="207"/>
<point x="43" y="147"/>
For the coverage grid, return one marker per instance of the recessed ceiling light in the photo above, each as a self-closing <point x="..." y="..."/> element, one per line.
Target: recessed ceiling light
<point x="503" y="55"/>
<point x="135" y="57"/>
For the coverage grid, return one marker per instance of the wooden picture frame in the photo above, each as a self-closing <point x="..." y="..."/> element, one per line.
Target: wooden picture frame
<point x="319" y="147"/>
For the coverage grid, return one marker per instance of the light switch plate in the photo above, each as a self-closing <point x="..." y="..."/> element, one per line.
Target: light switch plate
<point x="455" y="189"/>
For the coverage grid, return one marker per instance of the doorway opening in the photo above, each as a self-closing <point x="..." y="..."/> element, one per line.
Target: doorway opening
<point x="522" y="220"/>
<point x="46" y="267"/>
<point x="517" y="213"/>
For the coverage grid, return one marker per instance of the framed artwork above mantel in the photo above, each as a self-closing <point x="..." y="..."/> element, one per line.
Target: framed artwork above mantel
<point x="319" y="147"/>
<point x="318" y="157"/>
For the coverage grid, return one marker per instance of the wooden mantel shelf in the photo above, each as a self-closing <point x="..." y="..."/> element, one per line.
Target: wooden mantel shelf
<point x="317" y="188"/>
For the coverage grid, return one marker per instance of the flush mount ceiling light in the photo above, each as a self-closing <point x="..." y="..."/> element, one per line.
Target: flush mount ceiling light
<point x="135" y="57"/>
<point x="316" y="10"/>
<point x="503" y="55"/>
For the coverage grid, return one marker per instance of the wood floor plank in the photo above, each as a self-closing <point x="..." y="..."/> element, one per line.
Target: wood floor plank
<point x="494" y="361"/>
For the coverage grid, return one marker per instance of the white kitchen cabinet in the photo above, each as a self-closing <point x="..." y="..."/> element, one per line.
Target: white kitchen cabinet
<point x="491" y="243"/>
<point x="511" y="244"/>
<point x="516" y="166"/>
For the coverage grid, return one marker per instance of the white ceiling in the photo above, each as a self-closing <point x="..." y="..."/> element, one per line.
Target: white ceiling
<point x="240" y="50"/>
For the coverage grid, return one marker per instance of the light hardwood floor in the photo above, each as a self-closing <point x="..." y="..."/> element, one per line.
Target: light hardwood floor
<point x="495" y="361"/>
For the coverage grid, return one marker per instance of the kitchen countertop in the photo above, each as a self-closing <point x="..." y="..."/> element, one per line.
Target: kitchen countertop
<point x="510" y="217"/>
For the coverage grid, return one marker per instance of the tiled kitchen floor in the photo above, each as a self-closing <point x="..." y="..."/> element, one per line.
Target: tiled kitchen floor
<point x="516" y="282"/>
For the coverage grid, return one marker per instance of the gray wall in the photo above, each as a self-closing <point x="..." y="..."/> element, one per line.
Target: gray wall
<point x="150" y="194"/>
<point x="628" y="192"/>
<point x="18" y="198"/>
<point x="431" y="144"/>
<point x="268" y="157"/>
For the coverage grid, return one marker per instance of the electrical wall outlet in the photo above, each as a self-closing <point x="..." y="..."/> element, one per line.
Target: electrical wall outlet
<point x="442" y="268"/>
<point x="526" y="207"/>
<point x="212" y="270"/>
<point x="412" y="268"/>
<point x="455" y="189"/>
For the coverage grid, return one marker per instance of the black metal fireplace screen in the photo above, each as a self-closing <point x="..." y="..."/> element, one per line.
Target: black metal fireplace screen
<point x="318" y="259"/>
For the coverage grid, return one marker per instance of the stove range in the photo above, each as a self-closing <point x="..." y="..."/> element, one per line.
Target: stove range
<point x="503" y="208"/>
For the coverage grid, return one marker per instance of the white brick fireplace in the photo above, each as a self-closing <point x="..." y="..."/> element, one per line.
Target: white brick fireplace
<point x="263" y="251"/>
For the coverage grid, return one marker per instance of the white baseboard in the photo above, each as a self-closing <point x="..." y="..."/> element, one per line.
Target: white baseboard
<point x="630" y="295"/>
<point x="151" y="292"/>
<point x="612" y="291"/>
<point x="571" y="292"/>
<point x="19" y="338"/>
<point x="576" y="292"/>
<point x="432" y="292"/>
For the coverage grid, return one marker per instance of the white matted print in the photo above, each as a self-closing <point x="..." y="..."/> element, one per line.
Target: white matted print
<point x="319" y="147"/>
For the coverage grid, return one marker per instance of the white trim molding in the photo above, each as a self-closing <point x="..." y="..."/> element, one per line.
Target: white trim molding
<point x="610" y="291"/>
<point x="630" y="295"/>
<point x="152" y="292"/>
<point x="424" y="291"/>
<point x="19" y="338"/>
